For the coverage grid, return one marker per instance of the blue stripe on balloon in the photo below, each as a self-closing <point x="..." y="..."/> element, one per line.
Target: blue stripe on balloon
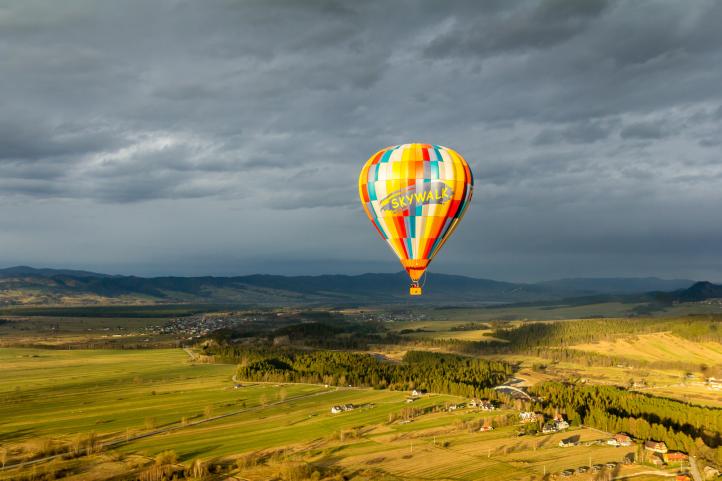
<point x="376" y="171"/>
<point x="438" y="153"/>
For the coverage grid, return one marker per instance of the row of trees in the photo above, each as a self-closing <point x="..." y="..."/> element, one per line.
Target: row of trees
<point x="442" y="373"/>
<point x="567" y="333"/>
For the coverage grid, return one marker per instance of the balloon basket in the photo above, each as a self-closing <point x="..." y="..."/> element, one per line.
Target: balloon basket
<point x="415" y="291"/>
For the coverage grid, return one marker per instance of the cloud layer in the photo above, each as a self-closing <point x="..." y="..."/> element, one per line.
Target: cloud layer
<point x="226" y="136"/>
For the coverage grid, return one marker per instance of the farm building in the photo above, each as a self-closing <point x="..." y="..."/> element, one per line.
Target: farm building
<point x="418" y="392"/>
<point x="528" y="416"/>
<point x="620" y="439"/>
<point x="340" y="409"/>
<point x="484" y="429"/>
<point x="486" y="406"/>
<point x="559" y="422"/>
<point x="568" y="442"/>
<point x="549" y="428"/>
<point x="710" y="472"/>
<point x="655" y="446"/>
<point x="623" y="439"/>
<point x="483" y="404"/>
<point x="675" y="457"/>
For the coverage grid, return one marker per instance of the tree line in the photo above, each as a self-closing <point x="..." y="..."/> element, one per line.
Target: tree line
<point x="441" y="373"/>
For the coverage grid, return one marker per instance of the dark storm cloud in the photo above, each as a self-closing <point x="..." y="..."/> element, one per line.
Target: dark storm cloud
<point x="578" y="133"/>
<point x="527" y="27"/>
<point x="643" y="130"/>
<point x="230" y="133"/>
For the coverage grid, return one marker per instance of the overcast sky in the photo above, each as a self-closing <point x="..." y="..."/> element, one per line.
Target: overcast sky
<point x="225" y="137"/>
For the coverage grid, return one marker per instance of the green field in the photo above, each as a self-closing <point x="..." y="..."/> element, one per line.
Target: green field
<point x="55" y="395"/>
<point x="55" y="392"/>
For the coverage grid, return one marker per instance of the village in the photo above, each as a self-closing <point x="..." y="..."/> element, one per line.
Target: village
<point x="649" y="452"/>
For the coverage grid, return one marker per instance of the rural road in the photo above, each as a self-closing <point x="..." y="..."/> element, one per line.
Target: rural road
<point x="694" y="469"/>
<point x="647" y="473"/>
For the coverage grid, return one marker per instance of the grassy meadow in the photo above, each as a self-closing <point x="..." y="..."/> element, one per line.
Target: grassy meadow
<point x="56" y="395"/>
<point x="659" y="346"/>
<point x="63" y="392"/>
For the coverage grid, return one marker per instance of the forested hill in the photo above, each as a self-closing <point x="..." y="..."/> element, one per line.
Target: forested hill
<point x="26" y="285"/>
<point x="699" y="291"/>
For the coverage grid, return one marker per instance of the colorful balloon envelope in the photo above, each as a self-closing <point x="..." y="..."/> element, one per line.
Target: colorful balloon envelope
<point x="415" y="196"/>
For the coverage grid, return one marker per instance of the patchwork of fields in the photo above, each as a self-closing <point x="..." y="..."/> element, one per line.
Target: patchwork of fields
<point x="659" y="346"/>
<point x="55" y="395"/>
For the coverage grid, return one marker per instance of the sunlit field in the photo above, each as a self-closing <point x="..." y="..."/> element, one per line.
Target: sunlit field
<point x="49" y="397"/>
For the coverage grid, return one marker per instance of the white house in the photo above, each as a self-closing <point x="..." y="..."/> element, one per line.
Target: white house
<point x="560" y="423"/>
<point x="340" y="409"/>
<point x="527" y="416"/>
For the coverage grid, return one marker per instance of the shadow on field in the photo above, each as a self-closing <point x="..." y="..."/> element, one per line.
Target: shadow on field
<point x="197" y="453"/>
<point x="11" y="435"/>
<point x="544" y="441"/>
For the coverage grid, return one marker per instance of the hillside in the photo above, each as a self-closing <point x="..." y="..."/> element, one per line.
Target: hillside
<point x="62" y="288"/>
<point x="27" y="285"/>
<point x="699" y="291"/>
<point x="618" y="285"/>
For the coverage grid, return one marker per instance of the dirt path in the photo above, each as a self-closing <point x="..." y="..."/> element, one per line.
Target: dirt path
<point x="694" y="469"/>
<point x="647" y="473"/>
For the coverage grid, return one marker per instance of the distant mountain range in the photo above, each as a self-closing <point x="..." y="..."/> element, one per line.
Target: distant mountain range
<point x="618" y="285"/>
<point x="27" y="285"/>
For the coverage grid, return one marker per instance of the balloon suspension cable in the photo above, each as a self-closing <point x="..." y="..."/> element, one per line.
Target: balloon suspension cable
<point x="416" y="289"/>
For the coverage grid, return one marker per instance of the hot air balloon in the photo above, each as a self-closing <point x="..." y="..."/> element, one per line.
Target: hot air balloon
<point x="415" y="195"/>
